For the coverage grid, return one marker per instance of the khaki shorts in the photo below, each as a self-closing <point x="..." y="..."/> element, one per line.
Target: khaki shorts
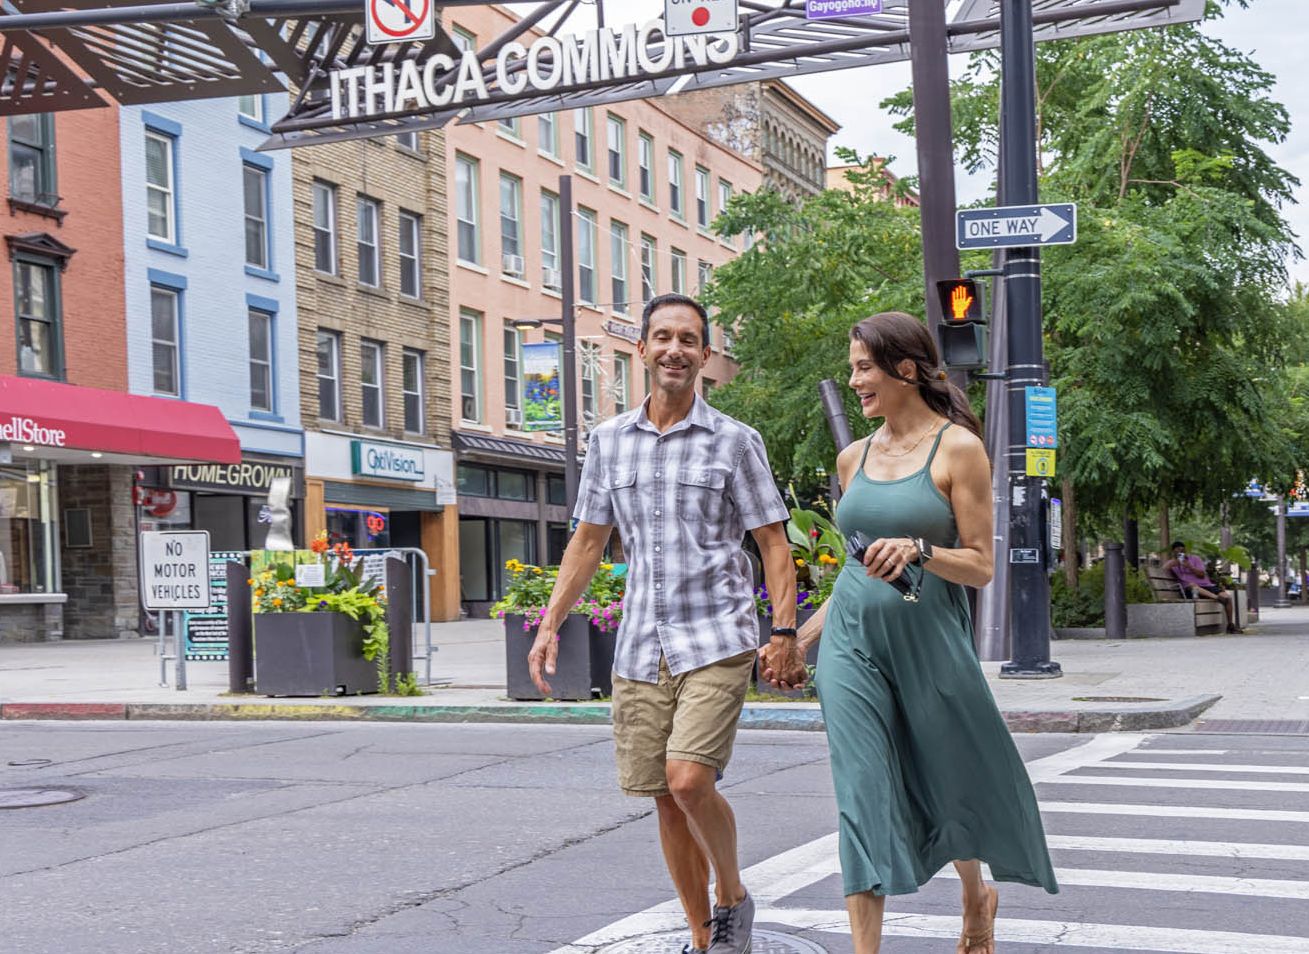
<point x="691" y="718"/>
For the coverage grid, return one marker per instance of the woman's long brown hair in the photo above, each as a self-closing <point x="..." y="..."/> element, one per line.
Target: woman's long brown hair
<point x="892" y="337"/>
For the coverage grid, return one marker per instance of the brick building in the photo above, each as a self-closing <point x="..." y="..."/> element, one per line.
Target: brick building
<point x="372" y="292"/>
<point x="646" y="187"/>
<point x="770" y="123"/>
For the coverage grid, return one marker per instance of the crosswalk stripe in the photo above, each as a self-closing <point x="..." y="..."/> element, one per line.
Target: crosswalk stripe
<point x="1168" y="881"/>
<point x="1210" y="767"/>
<point x="1174" y="811"/>
<point x="1133" y="781"/>
<point x="1102" y="937"/>
<point x="1157" y="846"/>
<point x="1179" y="752"/>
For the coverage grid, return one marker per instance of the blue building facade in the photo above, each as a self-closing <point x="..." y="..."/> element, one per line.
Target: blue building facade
<point x="209" y="260"/>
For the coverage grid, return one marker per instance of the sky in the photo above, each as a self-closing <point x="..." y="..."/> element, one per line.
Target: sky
<point x="1275" y="33"/>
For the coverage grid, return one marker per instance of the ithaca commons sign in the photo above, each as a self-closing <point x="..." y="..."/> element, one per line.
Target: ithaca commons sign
<point x="610" y="55"/>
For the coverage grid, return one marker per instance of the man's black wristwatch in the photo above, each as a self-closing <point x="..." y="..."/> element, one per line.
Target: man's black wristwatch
<point x="782" y="631"/>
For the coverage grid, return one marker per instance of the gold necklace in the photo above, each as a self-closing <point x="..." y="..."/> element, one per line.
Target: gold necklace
<point x="911" y="447"/>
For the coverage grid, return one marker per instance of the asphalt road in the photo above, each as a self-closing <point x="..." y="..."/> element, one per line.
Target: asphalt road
<point x="485" y="839"/>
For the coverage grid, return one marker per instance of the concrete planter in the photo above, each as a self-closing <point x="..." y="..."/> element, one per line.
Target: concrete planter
<point x="585" y="664"/>
<point x="311" y="654"/>
<point x="1080" y="632"/>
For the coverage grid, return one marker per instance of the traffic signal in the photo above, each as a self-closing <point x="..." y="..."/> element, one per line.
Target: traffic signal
<point x="962" y="335"/>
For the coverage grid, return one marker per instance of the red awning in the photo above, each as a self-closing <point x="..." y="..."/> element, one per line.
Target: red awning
<point x="52" y="415"/>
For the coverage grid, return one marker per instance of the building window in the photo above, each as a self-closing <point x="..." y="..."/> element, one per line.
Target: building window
<point x="586" y="256"/>
<point x="466" y="210"/>
<point x="329" y="375"/>
<point x="261" y="360"/>
<point x="513" y="343"/>
<point x="645" y="166"/>
<point x="32" y="158"/>
<point x="251" y="107"/>
<point x="618" y="242"/>
<point x="163" y="341"/>
<point x="370" y="381"/>
<point x="677" y="271"/>
<point x="550" y="276"/>
<point x="324" y="194"/>
<point x="411" y="386"/>
<point x="160" y="191"/>
<point x="703" y="272"/>
<point x="463" y="39"/>
<point x="702" y="197"/>
<point x="589" y="355"/>
<point x="724" y="194"/>
<point x="511" y="216"/>
<point x="511" y="126"/>
<point x="649" y="280"/>
<point x="675" y="204"/>
<point x="470" y="355"/>
<point x="411" y="255"/>
<point x="617" y="139"/>
<point x="622" y="379"/>
<point x="407" y="140"/>
<point x="370" y="265"/>
<point x="256" y="216"/>
<point x="547" y="133"/>
<point x="708" y="384"/>
<point x="582" y="135"/>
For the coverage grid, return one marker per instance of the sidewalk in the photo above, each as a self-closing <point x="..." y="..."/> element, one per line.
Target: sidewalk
<point x="1108" y="685"/>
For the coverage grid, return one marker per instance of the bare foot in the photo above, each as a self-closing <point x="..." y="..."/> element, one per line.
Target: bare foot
<point x="978" y="935"/>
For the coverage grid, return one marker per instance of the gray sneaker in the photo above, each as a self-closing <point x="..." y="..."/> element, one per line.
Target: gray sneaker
<point x="688" y="949"/>
<point x="731" y="928"/>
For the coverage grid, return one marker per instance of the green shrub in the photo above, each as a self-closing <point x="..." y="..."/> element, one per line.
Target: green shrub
<point x="1084" y="606"/>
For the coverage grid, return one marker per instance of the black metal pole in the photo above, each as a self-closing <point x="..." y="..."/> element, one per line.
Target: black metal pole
<point x="1252" y="590"/>
<point x="934" y="137"/>
<point x="838" y="424"/>
<point x="1115" y="592"/>
<point x="1132" y="543"/>
<point x="1281" y="602"/>
<point x="1029" y="595"/>
<point x="568" y="276"/>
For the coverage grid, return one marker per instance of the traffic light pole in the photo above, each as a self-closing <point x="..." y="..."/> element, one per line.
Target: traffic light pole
<point x="568" y="275"/>
<point x="1029" y="584"/>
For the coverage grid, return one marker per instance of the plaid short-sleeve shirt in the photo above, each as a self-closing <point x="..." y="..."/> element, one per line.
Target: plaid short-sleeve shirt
<point x="683" y="501"/>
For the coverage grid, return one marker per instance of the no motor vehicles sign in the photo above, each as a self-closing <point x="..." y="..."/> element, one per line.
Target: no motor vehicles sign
<point x="175" y="569"/>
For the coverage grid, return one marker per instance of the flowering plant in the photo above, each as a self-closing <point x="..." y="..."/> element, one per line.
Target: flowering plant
<point x="819" y="553"/>
<point x="345" y="589"/>
<point x="530" y="586"/>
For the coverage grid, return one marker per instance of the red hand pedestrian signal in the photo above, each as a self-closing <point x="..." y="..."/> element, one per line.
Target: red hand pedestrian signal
<point x="960" y="300"/>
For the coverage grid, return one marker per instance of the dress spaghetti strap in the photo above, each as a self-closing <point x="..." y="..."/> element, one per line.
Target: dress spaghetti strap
<point x="936" y="444"/>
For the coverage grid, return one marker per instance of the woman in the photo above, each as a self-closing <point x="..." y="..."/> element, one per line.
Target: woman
<point x="925" y="771"/>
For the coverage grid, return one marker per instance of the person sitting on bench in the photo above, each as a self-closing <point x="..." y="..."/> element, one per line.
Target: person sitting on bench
<point x="1196" y="585"/>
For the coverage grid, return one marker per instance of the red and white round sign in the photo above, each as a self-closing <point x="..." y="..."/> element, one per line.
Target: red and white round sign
<point x="397" y="21"/>
<point x="683" y="17"/>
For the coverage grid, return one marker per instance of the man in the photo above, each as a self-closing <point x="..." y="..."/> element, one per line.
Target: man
<point x="1196" y="585"/>
<point x="683" y="483"/>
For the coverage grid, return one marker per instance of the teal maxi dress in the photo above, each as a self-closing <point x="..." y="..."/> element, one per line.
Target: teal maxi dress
<point x="924" y="768"/>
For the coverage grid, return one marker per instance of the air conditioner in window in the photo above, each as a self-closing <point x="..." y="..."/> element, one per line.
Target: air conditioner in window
<point x="512" y="265"/>
<point x="513" y="417"/>
<point x="551" y="277"/>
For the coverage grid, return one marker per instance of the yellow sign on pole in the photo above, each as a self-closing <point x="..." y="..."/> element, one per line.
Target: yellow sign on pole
<point x="1040" y="462"/>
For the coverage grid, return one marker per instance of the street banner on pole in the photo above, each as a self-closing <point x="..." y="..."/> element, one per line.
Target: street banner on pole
<point x="1042" y="417"/>
<point x="542" y="409"/>
<point x="1016" y="226"/>
<point x="689" y="17"/>
<point x="834" y="9"/>
<point x="399" y="21"/>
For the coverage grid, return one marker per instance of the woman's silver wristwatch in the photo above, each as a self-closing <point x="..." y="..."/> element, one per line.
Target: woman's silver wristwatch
<point x="924" y="550"/>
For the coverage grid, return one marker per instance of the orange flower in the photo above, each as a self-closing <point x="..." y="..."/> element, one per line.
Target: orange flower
<point x="319" y="544"/>
<point x="250" y="582"/>
<point x="277" y="601"/>
<point x="259" y="592"/>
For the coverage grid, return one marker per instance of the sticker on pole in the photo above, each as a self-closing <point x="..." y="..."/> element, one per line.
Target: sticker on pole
<point x="1040" y="462"/>
<point x="689" y="17"/>
<point x="399" y="21"/>
<point x="175" y="569"/>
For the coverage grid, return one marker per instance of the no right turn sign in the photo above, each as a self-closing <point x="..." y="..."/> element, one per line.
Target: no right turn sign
<point x="687" y="17"/>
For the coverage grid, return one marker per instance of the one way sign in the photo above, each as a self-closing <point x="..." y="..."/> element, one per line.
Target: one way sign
<point x="1015" y="226"/>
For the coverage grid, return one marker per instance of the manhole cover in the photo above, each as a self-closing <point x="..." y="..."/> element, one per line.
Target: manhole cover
<point x="37" y="797"/>
<point x="764" y="942"/>
<point x="1117" y="699"/>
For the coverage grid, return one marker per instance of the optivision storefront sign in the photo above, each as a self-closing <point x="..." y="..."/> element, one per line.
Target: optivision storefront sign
<point x="597" y="56"/>
<point x="391" y="461"/>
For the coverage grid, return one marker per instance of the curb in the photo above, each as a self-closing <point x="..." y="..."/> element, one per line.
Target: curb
<point x="809" y="718"/>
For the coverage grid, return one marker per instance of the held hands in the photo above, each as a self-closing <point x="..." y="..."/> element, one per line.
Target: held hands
<point x="543" y="655"/>
<point x="887" y="557"/>
<point x="781" y="663"/>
